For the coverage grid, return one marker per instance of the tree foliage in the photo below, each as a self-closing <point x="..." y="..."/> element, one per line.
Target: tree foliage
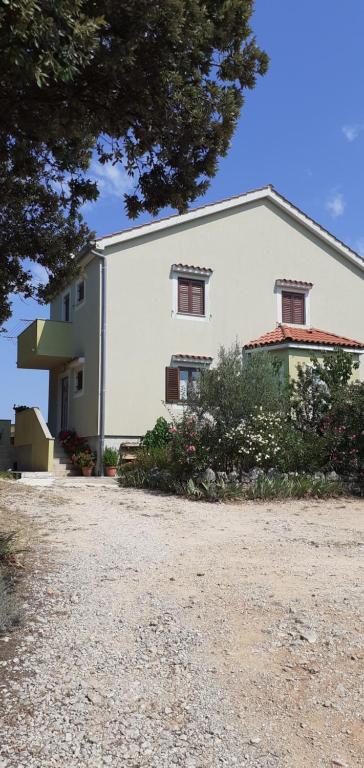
<point x="236" y="387"/>
<point x="154" y="86"/>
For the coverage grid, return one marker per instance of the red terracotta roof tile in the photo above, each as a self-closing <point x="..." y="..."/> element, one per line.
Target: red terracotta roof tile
<point x="301" y="283"/>
<point x="285" y="334"/>
<point x="192" y="268"/>
<point x="200" y="358"/>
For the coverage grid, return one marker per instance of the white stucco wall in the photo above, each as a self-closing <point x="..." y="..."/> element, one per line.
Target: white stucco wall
<point x="247" y="248"/>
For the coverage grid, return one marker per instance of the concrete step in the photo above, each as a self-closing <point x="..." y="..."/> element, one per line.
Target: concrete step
<point x="65" y="473"/>
<point x="62" y="462"/>
<point x="36" y="475"/>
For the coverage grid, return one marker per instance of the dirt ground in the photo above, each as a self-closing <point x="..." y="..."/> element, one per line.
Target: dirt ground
<point x="161" y="632"/>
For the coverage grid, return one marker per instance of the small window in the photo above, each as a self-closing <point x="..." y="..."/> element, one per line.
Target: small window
<point x="66" y="307"/>
<point x="293" y="308"/>
<point x="79" y="380"/>
<point x="178" y="383"/>
<point x="80" y="292"/>
<point x="191" y="296"/>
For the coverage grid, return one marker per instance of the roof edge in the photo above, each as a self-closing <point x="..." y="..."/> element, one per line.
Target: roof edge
<point x="268" y="192"/>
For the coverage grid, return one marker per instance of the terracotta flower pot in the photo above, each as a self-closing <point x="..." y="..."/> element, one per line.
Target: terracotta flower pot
<point x="110" y="471"/>
<point x="86" y="471"/>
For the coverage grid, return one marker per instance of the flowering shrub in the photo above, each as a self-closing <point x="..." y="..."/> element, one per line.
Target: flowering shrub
<point x="84" y="459"/>
<point x="256" y="440"/>
<point x="189" y="453"/>
<point x="74" y="445"/>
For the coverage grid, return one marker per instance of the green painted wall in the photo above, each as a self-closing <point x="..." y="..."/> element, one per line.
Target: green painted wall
<point x="44" y="344"/>
<point x="303" y="357"/>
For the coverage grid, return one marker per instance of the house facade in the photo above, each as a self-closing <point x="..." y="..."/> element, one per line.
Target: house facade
<point x="154" y="303"/>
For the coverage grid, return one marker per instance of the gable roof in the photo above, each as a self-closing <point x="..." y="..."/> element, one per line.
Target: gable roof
<point x="285" y="335"/>
<point x="264" y="193"/>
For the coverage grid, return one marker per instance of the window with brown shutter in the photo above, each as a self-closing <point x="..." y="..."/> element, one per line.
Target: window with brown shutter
<point x="172" y="385"/>
<point x="191" y="296"/>
<point x="293" y="308"/>
<point x="178" y="382"/>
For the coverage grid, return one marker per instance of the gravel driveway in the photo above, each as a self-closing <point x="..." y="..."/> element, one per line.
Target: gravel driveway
<point x="164" y="633"/>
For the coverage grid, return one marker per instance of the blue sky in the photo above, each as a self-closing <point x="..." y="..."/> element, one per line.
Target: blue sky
<point x="302" y="130"/>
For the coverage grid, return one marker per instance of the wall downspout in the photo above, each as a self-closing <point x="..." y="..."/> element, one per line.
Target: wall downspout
<point x="101" y="445"/>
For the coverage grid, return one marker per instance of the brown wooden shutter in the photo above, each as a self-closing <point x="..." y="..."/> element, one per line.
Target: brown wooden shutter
<point x="298" y="308"/>
<point x="183" y="295"/>
<point x="293" y="308"/>
<point x="172" y="385"/>
<point x="197" y="297"/>
<point x="191" y="296"/>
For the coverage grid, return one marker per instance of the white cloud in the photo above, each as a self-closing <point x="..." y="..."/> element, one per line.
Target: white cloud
<point x="335" y="204"/>
<point x="351" y="132"/>
<point x="112" y="180"/>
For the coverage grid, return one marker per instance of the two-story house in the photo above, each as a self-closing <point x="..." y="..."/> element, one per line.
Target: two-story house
<point x="154" y="303"/>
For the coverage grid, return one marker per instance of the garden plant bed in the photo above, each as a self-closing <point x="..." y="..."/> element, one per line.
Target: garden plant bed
<point x="172" y="633"/>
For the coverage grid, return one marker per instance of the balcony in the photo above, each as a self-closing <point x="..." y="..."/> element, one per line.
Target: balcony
<point x="45" y="344"/>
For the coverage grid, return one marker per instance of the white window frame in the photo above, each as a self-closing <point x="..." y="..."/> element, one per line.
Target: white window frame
<point x="64" y="294"/>
<point x="75" y="370"/>
<point x="190" y="274"/>
<point x="79" y="304"/>
<point x="292" y="288"/>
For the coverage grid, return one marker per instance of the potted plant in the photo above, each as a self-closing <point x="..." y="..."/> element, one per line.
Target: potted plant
<point x="85" y="460"/>
<point x="111" y="461"/>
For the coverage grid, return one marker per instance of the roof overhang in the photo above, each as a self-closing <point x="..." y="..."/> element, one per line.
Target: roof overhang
<point x="307" y="347"/>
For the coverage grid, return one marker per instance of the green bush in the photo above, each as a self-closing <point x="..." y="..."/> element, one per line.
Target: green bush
<point x="157" y="437"/>
<point x="168" y="482"/>
<point x="147" y="458"/>
<point x="292" y="488"/>
<point x="327" y="412"/>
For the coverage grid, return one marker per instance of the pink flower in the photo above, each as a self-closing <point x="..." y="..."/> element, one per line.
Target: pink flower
<point x="173" y="429"/>
<point x="191" y="449"/>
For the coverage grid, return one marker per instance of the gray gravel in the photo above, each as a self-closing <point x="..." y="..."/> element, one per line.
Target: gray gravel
<point x="166" y="633"/>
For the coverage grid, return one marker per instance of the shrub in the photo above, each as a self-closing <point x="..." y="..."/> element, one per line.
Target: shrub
<point x="297" y="487"/>
<point x="189" y="450"/>
<point x="111" y="457"/>
<point x="8" y="547"/>
<point x="7" y="475"/>
<point x="147" y="458"/>
<point x="256" y="441"/>
<point x="328" y="413"/>
<point x="228" y="398"/>
<point x="157" y="437"/>
<point x="167" y="482"/>
<point x="237" y="385"/>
